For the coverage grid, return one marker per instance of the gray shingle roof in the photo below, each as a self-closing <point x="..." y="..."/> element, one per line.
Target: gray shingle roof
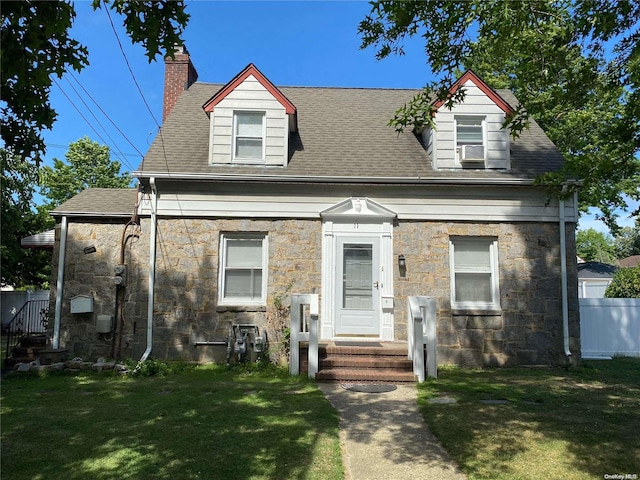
<point x="596" y="270"/>
<point x="112" y="202"/>
<point x="342" y="132"/>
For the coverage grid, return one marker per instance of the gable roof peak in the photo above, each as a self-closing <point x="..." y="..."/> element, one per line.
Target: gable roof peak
<point x="249" y="70"/>
<point x="470" y="75"/>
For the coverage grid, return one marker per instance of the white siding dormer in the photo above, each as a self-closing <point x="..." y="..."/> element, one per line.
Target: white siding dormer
<point x="470" y="135"/>
<point x="250" y="122"/>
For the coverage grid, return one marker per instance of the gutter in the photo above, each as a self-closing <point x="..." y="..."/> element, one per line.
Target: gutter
<point x="60" y="283"/>
<point x="204" y="177"/>
<point x="152" y="267"/>
<point x="71" y="213"/>
<point x="563" y="269"/>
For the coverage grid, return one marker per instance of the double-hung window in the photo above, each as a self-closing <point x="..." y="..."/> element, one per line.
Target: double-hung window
<point x="248" y="137"/>
<point x="243" y="271"/>
<point x="474" y="273"/>
<point x="470" y="138"/>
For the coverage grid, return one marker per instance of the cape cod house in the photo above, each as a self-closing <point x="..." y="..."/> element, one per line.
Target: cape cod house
<point x="250" y="192"/>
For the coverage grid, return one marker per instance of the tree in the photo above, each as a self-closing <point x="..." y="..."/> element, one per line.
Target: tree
<point x="21" y="267"/>
<point x="36" y="46"/>
<point x="88" y="164"/>
<point x="625" y="284"/>
<point x="558" y="60"/>
<point x="627" y="241"/>
<point x="594" y="246"/>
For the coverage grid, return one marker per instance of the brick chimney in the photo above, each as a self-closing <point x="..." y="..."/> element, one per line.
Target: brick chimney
<point x="179" y="75"/>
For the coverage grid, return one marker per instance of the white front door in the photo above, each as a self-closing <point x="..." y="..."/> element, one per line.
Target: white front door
<point x="358" y="285"/>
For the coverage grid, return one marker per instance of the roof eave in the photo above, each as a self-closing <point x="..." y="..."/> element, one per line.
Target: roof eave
<point x="207" y="177"/>
<point x="58" y="213"/>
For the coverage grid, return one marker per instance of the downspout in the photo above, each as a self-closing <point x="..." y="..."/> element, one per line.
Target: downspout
<point x="152" y="267"/>
<point x="62" y="255"/>
<point x="563" y="269"/>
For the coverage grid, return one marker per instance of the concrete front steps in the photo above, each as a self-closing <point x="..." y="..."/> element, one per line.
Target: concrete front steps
<point x="355" y="362"/>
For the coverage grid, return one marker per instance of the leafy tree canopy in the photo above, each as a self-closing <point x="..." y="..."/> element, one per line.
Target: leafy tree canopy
<point x="36" y="45"/>
<point x="625" y="284"/>
<point x="627" y="241"/>
<point x="88" y="164"/>
<point x="556" y="56"/>
<point x="595" y="246"/>
<point x="21" y="267"/>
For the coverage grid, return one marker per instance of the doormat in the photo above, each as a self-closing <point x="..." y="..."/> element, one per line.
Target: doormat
<point x="369" y="387"/>
<point x="358" y="344"/>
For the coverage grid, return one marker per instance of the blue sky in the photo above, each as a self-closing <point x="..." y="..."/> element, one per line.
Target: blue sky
<point x="292" y="43"/>
<point x="302" y="43"/>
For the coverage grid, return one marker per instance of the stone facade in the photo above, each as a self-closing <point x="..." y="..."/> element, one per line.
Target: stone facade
<point x="528" y="330"/>
<point x="186" y="306"/>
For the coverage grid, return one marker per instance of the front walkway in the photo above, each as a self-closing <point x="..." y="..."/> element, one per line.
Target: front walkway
<point x="383" y="436"/>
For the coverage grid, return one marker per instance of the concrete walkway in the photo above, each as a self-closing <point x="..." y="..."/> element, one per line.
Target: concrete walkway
<point x="384" y="437"/>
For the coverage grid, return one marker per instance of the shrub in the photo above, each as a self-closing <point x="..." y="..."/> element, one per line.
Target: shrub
<point x="625" y="284"/>
<point x="153" y="368"/>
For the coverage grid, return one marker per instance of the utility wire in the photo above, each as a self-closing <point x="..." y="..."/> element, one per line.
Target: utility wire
<point x="107" y="116"/>
<point x="59" y="145"/>
<point x="129" y="66"/>
<point x="79" y="112"/>
<point x="154" y="119"/>
<point x="116" y="150"/>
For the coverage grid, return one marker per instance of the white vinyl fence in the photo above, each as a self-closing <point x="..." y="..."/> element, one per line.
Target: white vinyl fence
<point x="610" y="326"/>
<point x="11" y="302"/>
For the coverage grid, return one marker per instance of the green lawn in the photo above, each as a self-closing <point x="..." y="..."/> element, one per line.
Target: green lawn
<point x="571" y="424"/>
<point x="203" y="423"/>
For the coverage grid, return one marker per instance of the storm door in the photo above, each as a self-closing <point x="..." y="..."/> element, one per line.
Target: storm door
<point x="357" y="286"/>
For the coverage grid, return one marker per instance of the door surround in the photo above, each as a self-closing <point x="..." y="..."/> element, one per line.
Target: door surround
<point x="354" y="217"/>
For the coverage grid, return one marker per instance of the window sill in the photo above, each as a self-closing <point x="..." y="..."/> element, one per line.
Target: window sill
<point x="241" y="308"/>
<point x="247" y="161"/>
<point x="479" y="312"/>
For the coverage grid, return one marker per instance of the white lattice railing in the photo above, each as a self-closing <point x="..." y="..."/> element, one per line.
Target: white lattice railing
<point x="303" y="332"/>
<point x="421" y="331"/>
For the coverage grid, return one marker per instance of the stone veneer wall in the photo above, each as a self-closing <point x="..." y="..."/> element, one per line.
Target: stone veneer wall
<point x="529" y="328"/>
<point x="186" y="301"/>
<point x="527" y="331"/>
<point x="186" y="290"/>
<point x="87" y="274"/>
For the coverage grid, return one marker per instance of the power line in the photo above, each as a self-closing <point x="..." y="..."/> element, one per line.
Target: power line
<point x="107" y="116"/>
<point x="66" y="147"/>
<point x="116" y="150"/>
<point x="129" y="66"/>
<point x="79" y="112"/>
<point x="154" y="119"/>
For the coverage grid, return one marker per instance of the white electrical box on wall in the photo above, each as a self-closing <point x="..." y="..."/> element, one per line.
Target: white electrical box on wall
<point x="103" y="324"/>
<point x="82" y="304"/>
<point x="387" y="302"/>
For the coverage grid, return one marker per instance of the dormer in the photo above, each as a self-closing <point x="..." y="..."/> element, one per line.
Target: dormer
<point x="250" y="122"/>
<point x="470" y="135"/>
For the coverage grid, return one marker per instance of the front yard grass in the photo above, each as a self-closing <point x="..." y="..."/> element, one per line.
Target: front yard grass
<point x="202" y="423"/>
<point x="578" y="423"/>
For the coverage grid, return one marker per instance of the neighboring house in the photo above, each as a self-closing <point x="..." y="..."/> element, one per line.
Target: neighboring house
<point x="251" y="192"/>
<point x="594" y="278"/>
<point x="43" y="240"/>
<point x="632" y="261"/>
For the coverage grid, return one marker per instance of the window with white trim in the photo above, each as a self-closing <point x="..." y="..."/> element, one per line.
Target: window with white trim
<point x="474" y="273"/>
<point x="470" y="138"/>
<point x="243" y="269"/>
<point x="248" y="137"/>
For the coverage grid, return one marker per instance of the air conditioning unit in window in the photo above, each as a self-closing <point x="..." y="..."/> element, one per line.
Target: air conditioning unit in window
<point x="471" y="153"/>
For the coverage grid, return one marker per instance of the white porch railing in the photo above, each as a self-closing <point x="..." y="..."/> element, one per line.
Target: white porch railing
<point x="421" y="331"/>
<point x="299" y="332"/>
